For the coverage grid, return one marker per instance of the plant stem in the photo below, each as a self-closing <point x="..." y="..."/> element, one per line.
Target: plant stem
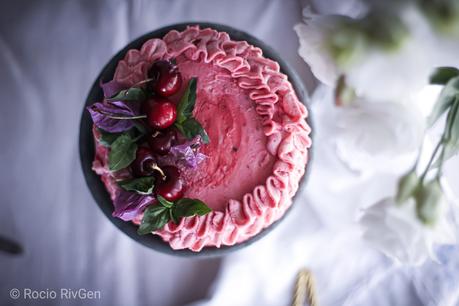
<point x="142" y="82"/>
<point x="137" y="138"/>
<point x="429" y="164"/>
<point x="445" y="138"/>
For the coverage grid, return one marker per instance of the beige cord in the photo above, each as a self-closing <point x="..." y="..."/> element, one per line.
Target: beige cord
<point x="305" y="289"/>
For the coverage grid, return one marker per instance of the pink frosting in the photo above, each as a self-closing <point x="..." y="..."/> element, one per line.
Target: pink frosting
<point x="259" y="135"/>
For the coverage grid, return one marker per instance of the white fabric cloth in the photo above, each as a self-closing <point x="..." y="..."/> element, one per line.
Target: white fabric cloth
<point x="50" y="53"/>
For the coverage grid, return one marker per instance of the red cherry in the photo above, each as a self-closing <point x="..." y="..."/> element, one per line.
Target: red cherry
<point x="161" y="142"/>
<point x="171" y="187"/>
<point x="144" y="162"/>
<point x="167" y="79"/>
<point x="161" y="113"/>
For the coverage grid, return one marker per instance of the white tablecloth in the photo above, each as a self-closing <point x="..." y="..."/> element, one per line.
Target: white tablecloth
<point x="50" y="53"/>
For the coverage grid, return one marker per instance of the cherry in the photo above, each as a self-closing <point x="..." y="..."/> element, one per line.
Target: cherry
<point x="167" y="79"/>
<point x="161" y="113"/>
<point x="160" y="143"/>
<point x="171" y="186"/>
<point x="144" y="162"/>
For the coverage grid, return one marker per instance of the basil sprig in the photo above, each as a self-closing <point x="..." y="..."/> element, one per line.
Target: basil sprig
<point x="106" y="139"/>
<point x="141" y="185"/>
<point x="122" y="152"/>
<point x="157" y="216"/>
<point x="185" y="122"/>
<point x="130" y="94"/>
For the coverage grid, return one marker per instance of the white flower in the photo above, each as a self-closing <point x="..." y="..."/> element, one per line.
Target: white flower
<point x="370" y="136"/>
<point x="376" y="73"/>
<point x="398" y="233"/>
<point x="382" y="136"/>
<point x="313" y="35"/>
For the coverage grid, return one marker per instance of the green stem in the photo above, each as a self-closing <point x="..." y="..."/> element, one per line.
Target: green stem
<point x="440" y="163"/>
<point x="444" y="139"/>
<point x="137" y="138"/>
<point x="429" y="164"/>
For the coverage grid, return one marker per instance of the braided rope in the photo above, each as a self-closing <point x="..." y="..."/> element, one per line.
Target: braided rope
<point x="305" y="289"/>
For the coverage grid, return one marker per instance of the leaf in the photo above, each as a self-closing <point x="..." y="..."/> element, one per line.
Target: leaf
<point x="407" y="185"/>
<point x="141" y="185"/>
<point x="122" y="152"/>
<point x="187" y="102"/>
<point x="428" y="199"/>
<point x="164" y="202"/>
<point x="185" y="154"/>
<point x="154" y="218"/>
<point x="444" y="101"/>
<point x="128" y="205"/>
<point x="106" y="139"/>
<point x="191" y="128"/>
<point x="110" y="88"/>
<point x="190" y="207"/>
<point x="101" y="114"/>
<point x="130" y="94"/>
<point x="172" y="217"/>
<point x="442" y="75"/>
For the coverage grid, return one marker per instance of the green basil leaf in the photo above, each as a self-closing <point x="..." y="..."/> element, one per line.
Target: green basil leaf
<point x="444" y="101"/>
<point x="131" y="94"/>
<point x="187" y="102"/>
<point x="122" y="152"/>
<point x="154" y="218"/>
<point x="442" y="75"/>
<point x="407" y="185"/>
<point x="428" y="198"/>
<point x="191" y="128"/>
<point x="190" y="207"/>
<point x="141" y="185"/>
<point x="173" y="218"/>
<point x="164" y="202"/>
<point x="106" y="139"/>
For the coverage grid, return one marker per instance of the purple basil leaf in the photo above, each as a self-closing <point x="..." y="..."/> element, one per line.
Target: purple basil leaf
<point x="185" y="154"/>
<point x="101" y="112"/>
<point x="111" y="88"/>
<point x="132" y="106"/>
<point x="129" y="205"/>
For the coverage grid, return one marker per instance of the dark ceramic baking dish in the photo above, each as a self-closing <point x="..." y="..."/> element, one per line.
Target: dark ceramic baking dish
<point x="86" y="141"/>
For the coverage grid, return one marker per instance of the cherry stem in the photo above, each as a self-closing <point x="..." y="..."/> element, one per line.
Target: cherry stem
<point x="157" y="168"/>
<point x="141" y="82"/>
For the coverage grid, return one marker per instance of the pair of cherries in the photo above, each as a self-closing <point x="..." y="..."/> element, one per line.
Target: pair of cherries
<point x="166" y="81"/>
<point x="168" y="183"/>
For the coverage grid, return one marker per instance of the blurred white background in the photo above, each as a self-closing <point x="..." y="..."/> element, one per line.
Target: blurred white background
<point x="50" y="54"/>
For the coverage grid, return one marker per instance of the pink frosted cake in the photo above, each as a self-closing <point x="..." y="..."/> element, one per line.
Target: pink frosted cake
<point x="200" y="139"/>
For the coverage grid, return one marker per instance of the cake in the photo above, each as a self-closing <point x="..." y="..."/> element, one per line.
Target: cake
<point x="207" y="156"/>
